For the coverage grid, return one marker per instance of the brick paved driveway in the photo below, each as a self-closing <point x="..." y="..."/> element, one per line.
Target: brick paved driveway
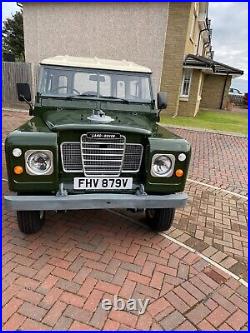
<point x="57" y="278"/>
<point x="219" y="160"/>
<point x="215" y="224"/>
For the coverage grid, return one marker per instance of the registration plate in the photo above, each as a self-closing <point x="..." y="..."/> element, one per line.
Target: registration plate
<point x="87" y="183"/>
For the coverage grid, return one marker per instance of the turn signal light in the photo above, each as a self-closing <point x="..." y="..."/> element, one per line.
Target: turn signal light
<point x="18" y="170"/>
<point x="179" y="173"/>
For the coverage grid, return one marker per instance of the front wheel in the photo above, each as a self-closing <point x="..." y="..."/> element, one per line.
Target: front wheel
<point x="160" y="219"/>
<point x="30" y="222"/>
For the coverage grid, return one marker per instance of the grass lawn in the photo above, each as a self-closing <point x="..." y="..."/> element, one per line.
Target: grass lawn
<point x="219" y="120"/>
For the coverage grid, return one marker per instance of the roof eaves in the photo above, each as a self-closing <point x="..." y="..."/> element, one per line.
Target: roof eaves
<point x="217" y="67"/>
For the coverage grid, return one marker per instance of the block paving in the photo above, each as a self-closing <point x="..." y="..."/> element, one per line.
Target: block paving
<point x="219" y="160"/>
<point x="56" y="279"/>
<point x="213" y="223"/>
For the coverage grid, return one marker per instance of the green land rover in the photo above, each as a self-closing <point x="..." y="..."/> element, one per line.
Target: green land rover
<point x="94" y="142"/>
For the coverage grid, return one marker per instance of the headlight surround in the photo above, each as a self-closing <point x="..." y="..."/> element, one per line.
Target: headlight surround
<point x="162" y="165"/>
<point x="39" y="162"/>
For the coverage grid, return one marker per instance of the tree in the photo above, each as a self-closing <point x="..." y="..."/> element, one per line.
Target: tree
<point x="13" y="40"/>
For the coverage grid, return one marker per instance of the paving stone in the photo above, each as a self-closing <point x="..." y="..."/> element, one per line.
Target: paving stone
<point x="239" y="269"/>
<point x="196" y="244"/>
<point x="237" y="320"/>
<point x="172" y="321"/>
<point x="218" y="256"/>
<point x="228" y="262"/>
<point x="218" y="278"/>
<point x="209" y="251"/>
<point x="218" y="316"/>
<point x="198" y="313"/>
<point x="32" y="311"/>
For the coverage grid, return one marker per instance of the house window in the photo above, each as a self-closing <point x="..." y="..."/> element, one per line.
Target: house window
<point x="186" y="82"/>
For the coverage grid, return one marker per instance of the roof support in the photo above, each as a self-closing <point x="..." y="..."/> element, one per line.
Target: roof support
<point x="223" y="92"/>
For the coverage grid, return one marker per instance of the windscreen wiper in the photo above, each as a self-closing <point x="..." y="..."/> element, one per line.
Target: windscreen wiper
<point x="100" y="96"/>
<point x="80" y="95"/>
<point x="116" y="98"/>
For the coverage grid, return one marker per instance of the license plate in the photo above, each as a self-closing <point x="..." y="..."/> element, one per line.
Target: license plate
<point x="87" y="183"/>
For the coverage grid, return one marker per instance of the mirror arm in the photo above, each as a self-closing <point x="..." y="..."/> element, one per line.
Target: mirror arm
<point x="29" y="103"/>
<point x="159" y="115"/>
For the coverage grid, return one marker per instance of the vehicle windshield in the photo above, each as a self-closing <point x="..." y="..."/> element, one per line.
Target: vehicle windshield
<point x="93" y="83"/>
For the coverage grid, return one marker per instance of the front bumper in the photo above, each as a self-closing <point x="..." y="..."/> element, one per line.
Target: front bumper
<point x="94" y="201"/>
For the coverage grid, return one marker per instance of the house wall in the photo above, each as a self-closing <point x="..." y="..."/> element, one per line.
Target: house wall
<point x="213" y="89"/>
<point x="131" y="31"/>
<point x="174" y="53"/>
<point x="192" y="41"/>
<point x="190" y="107"/>
<point x="181" y="39"/>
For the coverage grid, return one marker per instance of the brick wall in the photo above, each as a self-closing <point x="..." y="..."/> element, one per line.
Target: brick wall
<point x="213" y="89"/>
<point x="176" y="35"/>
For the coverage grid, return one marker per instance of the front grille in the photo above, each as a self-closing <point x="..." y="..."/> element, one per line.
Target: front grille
<point x="72" y="158"/>
<point x="133" y="157"/>
<point x="102" y="156"/>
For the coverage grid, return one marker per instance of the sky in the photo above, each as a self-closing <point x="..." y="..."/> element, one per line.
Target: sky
<point x="229" y="21"/>
<point x="9" y="8"/>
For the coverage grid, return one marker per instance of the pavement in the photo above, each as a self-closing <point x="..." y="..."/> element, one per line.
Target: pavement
<point x="218" y="160"/>
<point x="194" y="275"/>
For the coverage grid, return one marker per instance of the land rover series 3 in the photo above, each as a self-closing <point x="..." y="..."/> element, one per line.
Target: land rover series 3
<point x="94" y="142"/>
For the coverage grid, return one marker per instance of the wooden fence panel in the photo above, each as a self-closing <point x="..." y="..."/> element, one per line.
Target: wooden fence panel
<point x="13" y="73"/>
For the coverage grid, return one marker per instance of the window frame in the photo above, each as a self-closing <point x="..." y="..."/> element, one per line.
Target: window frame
<point x="98" y="72"/>
<point x="183" y="81"/>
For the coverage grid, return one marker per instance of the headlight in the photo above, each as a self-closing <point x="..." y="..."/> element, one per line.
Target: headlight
<point x="162" y="165"/>
<point x="39" y="162"/>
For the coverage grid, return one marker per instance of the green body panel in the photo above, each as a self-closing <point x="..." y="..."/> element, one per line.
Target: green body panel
<point x="124" y="122"/>
<point x="164" y="141"/>
<point x="59" y="120"/>
<point x="34" y="134"/>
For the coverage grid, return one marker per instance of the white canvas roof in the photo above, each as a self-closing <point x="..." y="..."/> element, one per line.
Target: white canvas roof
<point x="117" y="65"/>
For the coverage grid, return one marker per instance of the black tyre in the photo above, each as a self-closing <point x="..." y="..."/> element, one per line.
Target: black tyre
<point x="30" y="222"/>
<point x="160" y="219"/>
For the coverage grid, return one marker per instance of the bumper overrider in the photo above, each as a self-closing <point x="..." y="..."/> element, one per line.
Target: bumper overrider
<point x="94" y="201"/>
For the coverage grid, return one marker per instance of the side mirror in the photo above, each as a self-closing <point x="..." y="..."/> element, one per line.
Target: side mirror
<point x="23" y="92"/>
<point x="161" y="100"/>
